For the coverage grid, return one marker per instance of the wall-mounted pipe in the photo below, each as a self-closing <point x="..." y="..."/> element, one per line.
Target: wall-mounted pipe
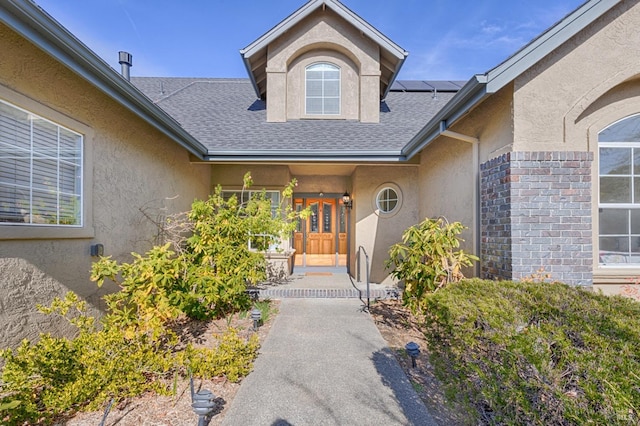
<point x="475" y="143"/>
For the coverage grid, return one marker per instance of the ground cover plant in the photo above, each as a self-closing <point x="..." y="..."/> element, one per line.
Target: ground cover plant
<point x="200" y="273"/>
<point x="536" y="353"/>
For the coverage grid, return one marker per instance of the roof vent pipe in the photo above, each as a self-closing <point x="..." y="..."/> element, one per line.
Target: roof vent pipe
<point x="126" y="62"/>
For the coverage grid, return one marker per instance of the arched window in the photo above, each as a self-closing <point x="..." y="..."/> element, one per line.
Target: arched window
<point x="322" y="86"/>
<point x="619" y="197"/>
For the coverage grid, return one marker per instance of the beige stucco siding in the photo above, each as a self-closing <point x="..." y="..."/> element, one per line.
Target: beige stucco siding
<point x="447" y="182"/>
<point x="570" y="96"/>
<point x="323" y="36"/>
<point x="550" y="97"/>
<point x="129" y="167"/>
<point x="374" y="231"/>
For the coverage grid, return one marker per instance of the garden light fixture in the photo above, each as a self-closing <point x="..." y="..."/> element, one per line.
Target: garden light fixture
<point x="256" y="316"/>
<point x="203" y="403"/>
<point x="413" y="350"/>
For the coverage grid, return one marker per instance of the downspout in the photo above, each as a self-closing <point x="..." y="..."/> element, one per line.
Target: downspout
<point x="475" y="144"/>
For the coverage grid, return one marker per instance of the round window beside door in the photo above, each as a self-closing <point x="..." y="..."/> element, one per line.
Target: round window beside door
<point x="388" y="199"/>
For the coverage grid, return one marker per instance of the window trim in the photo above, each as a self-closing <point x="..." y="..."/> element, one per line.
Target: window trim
<point x="376" y="200"/>
<point x="323" y="97"/>
<point x="626" y="207"/>
<point x="10" y="231"/>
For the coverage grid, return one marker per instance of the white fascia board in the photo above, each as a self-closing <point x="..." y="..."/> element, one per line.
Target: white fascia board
<point x="34" y="24"/>
<point x="546" y="43"/>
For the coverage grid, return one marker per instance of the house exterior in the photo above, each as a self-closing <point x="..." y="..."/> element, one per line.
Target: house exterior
<point x="536" y="156"/>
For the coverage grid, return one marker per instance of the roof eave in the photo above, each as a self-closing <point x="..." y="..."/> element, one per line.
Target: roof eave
<point x="271" y="156"/>
<point x="546" y="43"/>
<point x="471" y="94"/>
<point x="341" y="10"/>
<point x="481" y="86"/>
<point x="34" y="24"/>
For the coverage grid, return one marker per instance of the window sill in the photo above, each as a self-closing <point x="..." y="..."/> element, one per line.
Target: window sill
<point x="25" y="232"/>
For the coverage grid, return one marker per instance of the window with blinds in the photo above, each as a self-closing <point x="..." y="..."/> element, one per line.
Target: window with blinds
<point x="40" y="170"/>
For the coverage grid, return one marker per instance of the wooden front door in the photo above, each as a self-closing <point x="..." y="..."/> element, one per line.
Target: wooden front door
<point x="323" y="235"/>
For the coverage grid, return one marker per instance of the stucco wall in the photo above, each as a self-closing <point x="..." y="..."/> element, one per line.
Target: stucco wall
<point x="377" y="232"/>
<point x="580" y="89"/>
<point x="129" y="168"/>
<point x="447" y="185"/>
<point x="324" y="36"/>
<point x="549" y="98"/>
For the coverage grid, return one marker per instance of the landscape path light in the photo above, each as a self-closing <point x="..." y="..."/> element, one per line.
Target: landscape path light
<point x="256" y="316"/>
<point x="203" y="403"/>
<point x="413" y="350"/>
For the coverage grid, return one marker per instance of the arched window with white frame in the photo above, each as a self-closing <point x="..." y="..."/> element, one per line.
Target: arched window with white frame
<point x="322" y="89"/>
<point x="619" y="195"/>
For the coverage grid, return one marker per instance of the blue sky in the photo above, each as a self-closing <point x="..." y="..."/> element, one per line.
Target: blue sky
<point x="446" y="39"/>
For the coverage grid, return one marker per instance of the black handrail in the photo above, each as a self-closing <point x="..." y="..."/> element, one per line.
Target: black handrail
<point x="366" y="257"/>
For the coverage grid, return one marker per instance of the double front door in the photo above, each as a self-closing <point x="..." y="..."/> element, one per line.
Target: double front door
<point x="321" y="240"/>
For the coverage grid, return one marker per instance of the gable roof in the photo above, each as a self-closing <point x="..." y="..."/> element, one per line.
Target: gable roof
<point x="481" y="86"/>
<point x="254" y="55"/>
<point x="224" y="115"/>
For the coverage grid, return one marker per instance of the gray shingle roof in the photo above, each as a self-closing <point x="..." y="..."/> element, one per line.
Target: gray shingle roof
<point x="225" y="116"/>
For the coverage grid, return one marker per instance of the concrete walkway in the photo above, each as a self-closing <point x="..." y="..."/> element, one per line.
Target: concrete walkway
<point x="325" y="363"/>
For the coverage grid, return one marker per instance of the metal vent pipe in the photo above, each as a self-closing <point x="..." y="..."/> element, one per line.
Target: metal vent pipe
<point x="126" y="62"/>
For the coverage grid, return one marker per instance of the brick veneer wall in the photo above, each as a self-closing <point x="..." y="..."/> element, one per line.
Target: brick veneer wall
<point x="536" y="212"/>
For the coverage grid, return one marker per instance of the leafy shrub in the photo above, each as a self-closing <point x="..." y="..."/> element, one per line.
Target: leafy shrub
<point x="537" y="353"/>
<point x="57" y="376"/>
<point x="204" y="268"/>
<point x="426" y="260"/>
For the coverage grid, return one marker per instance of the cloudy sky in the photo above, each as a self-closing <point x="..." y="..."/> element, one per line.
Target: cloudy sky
<point x="446" y="39"/>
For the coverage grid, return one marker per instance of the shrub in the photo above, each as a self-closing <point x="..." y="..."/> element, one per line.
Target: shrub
<point x="204" y="268"/>
<point x="537" y="353"/>
<point x="57" y="376"/>
<point x="426" y="260"/>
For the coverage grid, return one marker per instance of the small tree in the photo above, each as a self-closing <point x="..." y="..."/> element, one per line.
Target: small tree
<point x="427" y="260"/>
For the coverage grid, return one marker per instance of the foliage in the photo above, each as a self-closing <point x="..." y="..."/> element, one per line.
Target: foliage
<point x="426" y="259"/>
<point x="232" y="358"/>
<point x="57" y="376"/>
<point x="201" y="271"/>
<point x="204" y="268"/>
<point x="537" y="353"/>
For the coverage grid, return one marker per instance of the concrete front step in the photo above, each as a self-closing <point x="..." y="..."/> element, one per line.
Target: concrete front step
<point x="323" y="293"/>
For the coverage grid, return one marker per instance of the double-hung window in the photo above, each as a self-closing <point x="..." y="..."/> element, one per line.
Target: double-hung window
<point x="40" y="170"/>
<point x="322" y="88"/>
<point x="619" y="198"/>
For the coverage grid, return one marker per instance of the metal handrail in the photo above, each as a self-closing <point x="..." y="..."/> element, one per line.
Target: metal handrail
<point x="359" y="262"/>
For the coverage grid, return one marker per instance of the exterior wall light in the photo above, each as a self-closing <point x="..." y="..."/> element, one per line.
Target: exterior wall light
<point x="256" y="316"/>
<point x="413" y="350"/>
<point x="97" y="250"/>
<point x="346" y="200"/>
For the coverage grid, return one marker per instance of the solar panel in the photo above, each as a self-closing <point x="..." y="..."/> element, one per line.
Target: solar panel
<point x="444" y="86"/>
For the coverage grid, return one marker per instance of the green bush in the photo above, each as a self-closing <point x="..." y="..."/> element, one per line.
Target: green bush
<point x="537" y="353"/>
<point x="427" y="260"/>
<point x="55" y="377"/>
<point x="204" y="269"/>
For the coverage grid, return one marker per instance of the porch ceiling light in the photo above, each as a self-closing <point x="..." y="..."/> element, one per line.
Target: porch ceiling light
<point x="346" y="199"/>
